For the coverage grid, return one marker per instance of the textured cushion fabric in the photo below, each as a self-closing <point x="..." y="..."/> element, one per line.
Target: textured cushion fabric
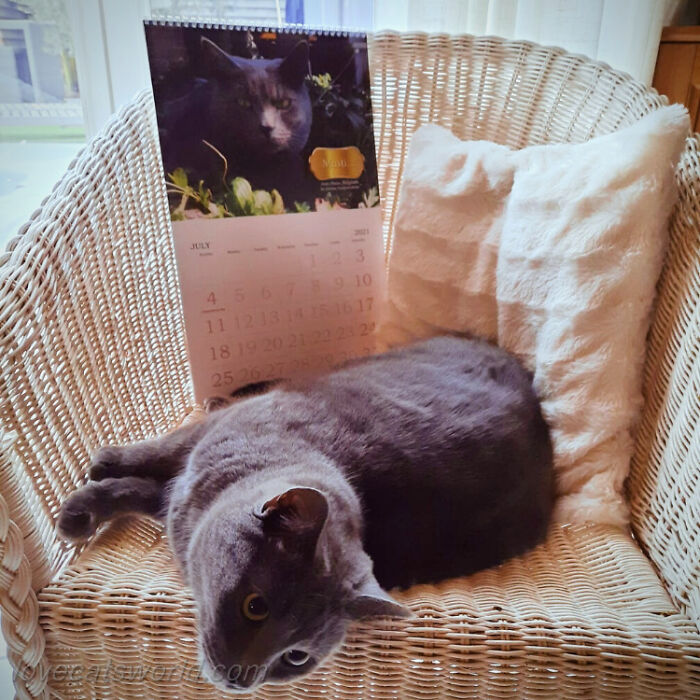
<point x="553" y="252"/>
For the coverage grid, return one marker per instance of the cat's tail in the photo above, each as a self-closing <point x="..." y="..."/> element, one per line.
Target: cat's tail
<point x="255" y="388"/>
<point x="214" y="403"/>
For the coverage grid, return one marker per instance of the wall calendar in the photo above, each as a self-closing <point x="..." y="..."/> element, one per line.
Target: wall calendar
<point x="268" y="153"/>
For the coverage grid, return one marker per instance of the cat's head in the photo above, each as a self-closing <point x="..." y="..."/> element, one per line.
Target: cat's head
<point x="277" y="585"/>
<point x="259" y="107"/>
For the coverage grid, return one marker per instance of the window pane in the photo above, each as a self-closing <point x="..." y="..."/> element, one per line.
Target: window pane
<point x="41" y="119"/>
<point x="261" y="12"/>
<point x="38" y="81"/>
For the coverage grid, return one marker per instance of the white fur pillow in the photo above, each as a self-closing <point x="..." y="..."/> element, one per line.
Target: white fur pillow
<point x="553" y="252"/>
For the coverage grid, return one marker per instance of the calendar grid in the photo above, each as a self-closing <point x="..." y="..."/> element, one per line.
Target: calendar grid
<point x="270" y="308"/>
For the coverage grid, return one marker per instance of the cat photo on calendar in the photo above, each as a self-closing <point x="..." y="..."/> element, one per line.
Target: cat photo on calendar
<point x="255" y="122"/>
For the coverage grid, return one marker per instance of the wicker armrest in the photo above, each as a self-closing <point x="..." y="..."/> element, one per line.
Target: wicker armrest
<point x="20" y="611"/>
<point x="664" y="483"/>
<point x="92" y="350"/>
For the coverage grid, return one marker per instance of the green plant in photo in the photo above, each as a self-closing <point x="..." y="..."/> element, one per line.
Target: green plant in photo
<point x="241" y="197"/>
<point x="243" y="200"/>
<point x="370" y="198"/>
<point x="239" y="200"/>
<point x="322" y="80"/>
<point x="194" y="202"/>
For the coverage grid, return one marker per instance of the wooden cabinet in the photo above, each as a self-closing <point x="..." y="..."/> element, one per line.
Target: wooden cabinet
<point x="677" y="73"/>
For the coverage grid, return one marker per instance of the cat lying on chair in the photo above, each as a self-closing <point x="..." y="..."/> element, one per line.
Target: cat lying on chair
<point x="292" y="512"/>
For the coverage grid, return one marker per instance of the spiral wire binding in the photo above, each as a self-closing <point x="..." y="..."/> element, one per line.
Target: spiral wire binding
<point x="221" y="24"/>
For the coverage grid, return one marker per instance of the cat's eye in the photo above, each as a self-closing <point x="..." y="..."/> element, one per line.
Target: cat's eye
<point x="255" y="608"/>
<point x="243" y="102"/>
<point x="295" y="657"/>
<point x="282" y="103"/>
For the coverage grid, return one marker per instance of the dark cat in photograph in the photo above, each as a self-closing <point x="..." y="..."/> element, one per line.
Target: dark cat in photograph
<point x="292" y="512"/>
<point x="256" y="112"/>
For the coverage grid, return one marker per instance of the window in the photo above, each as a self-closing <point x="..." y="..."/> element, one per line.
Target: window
<point x="41" y="118"/>
<point x="240" y="11"/>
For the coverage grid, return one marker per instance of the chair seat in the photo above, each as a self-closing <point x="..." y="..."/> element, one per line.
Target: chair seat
<point x="583" y="615"/>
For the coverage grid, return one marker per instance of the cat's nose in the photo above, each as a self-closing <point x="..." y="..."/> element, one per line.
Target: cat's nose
<point x="266" y="130"/>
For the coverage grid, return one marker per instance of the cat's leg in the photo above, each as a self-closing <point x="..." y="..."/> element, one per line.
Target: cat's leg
<point x="161" y="458"/>
<point x="85" y="509"/>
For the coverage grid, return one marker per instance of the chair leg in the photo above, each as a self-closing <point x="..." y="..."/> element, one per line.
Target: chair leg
<point x="20" y="613"/>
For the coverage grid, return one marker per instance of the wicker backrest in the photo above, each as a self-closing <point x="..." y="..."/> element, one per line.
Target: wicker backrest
<point x="91" y="328"/>
<point x="92" y="338"/>
<point x="519" y="94"/>
<point x="511" y="92"/>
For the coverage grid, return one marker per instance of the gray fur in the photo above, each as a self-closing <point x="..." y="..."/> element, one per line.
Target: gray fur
<point x="256" y="113"/>
<point x="423" y="463"/>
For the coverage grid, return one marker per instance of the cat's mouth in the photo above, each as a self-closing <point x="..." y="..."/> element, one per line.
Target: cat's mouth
<point x="275" y="147"/>
<point x="236" y="678"/>
<point x="231" y="677"/>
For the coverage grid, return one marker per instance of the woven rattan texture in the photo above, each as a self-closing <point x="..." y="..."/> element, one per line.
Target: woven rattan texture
<point x="664" y="484"/>
<point x="93" y="352"/>
<point x="583" y="615"/>
<point x="513" y="93"/>
<point x="92" y="346"/>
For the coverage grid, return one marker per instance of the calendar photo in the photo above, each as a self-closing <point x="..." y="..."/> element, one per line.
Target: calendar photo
<point x="257" y="122"/>
<point x="254" y="122"/>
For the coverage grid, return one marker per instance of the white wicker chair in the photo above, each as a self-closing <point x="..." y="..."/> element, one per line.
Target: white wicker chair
<point x="93" y="351"/>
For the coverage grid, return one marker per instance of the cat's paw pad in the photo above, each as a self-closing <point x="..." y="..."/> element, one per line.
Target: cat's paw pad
<point x="105" y="463"/>
<point x="76" y="521"/>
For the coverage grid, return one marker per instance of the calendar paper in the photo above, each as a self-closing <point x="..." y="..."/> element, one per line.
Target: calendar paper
<point x="268" y="152"/>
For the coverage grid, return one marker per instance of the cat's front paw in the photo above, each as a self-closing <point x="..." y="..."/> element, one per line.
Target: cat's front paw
<point x="106" y="463"/>
<point x="76" y="521"/>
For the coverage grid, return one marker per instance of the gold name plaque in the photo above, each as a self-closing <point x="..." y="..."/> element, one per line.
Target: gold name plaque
<point x="336" y="163"/>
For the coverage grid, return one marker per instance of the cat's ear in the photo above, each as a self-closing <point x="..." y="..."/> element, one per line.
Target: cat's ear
<point x="296" y="517"/>
<point x="371" y="600"/>
<point x="295" y="67"/>
<point x="217" y="60"/>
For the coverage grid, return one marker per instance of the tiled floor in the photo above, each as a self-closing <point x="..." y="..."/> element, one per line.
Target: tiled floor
<point x="28" y="172"/>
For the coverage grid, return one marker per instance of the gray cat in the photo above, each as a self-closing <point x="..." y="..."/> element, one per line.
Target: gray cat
<point x="291" y="512"/>
<point x="257" y="113"/>
<point x="260" y="107"/>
